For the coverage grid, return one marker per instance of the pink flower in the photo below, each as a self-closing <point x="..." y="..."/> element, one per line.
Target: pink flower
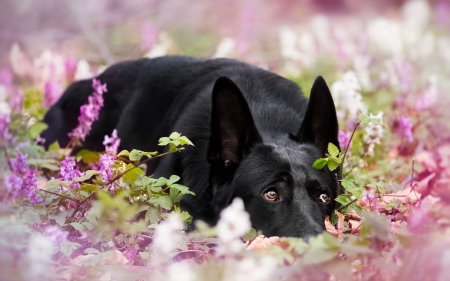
<point x="405" y="128"/>
<point x="130" y="253"/>
<point x="6" y="77"/>
<point x="67" y="171"/>
<point x="52" y="91"/>
<point x="371" y="200"/>
<point x="89" y="112"/>
<point x="112" y="143"/>
<point x="106" y="160"/>
<point x="344" y="139"/>
<point x="5" y="135"/>
<point x="22" y="179"/>
<point x="149" y="34"/>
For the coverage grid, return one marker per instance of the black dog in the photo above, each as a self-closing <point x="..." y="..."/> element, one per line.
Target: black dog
<point x="255" y="135"/>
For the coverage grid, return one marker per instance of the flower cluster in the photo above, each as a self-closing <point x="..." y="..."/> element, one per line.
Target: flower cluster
<point x="89" y="112"/>
<point x="374" y="133"/>
<point x="106" y="160"/>
<point x="22" y="179"/>
<point x="112" y="143"/>
<point x="67" y="171"/>
<point x="405" y="128"/>
<point x="372" y="200"/>
<point x="233" y="224"/>
<point x="346" y="94"/>
<point x="167" y="234"/>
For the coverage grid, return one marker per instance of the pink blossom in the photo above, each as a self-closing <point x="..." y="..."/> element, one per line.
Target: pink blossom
<point x="52" y="91"/>
<point x="405" y="128"/>
<point x="67" y="171"/>
<point x="89" y="112"/>
<point x="149" y="33"/>
<point x="6" y="77"/>
<point x="130" y="253"/>
<point x="5" y="135"/>
<point x="344" y="139"/>
<point x="106" y="160"/>
<point x="112" y="143"/>
<point x="22" y="179"/>
<point x="371" y="200"/>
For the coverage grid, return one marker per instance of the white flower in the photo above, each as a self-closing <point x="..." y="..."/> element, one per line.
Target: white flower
<point x="252" y="268"/>
<point x="5" y="109"/>
<point x="167" y="234"/>
<point x="347" y="97"/>
<point x="83" y="70"/>
<point x="225" y="47"/>
<point x="180" y="271"/>
<point x="50" y="66"/>
<point x="374" y="133"/>
<point x="234" y="221"/>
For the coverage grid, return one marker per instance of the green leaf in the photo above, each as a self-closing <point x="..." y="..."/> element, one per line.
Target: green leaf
<point x="182" y="188"/>
<point x="185" y="141"/>
<point x="88" y="156"/>
<point x="175" y="136"/>
<point x="173" y="179"/>
<point x="131" y="176"/>
<point x="332" y="164"/>
<point x="320" y="163"/>
<point x="165" y="202"/>
<point x="164" y="141"/>
<point x="161" y="181"/>
<point x="77" y="226"/>
<point x="135" y="155"/>
<point x="152" y="215"/>
<point x="89" y="174"/>
<point x="144" y="255"/>
<point x="54" y="147"/>
<point x="36" y="129"/>
<point x="342" y="200"/>
<point x="124" y="153"/>
<point x="334" y="219"/>
<point x="251" y="234"/>
<point x="333" y="150"/>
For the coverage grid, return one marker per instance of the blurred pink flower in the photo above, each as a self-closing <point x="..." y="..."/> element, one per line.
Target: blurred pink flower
<point x="6" y="77"/>
<point x="112" y="143"/>
<point x="56" y="234"/>
<point x="52" y="91"/>
<point x="371" y="200"/>
<point x="130" y="253"/>
<point x="405" y="128"/>
<point x="89" y="112"/>
<point x="344" y="138"/>
<point x="149" y="33"/>
<point x="5" y="135"/>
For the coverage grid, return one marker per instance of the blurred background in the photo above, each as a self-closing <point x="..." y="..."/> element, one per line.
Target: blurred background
<point x="106" y="31"/>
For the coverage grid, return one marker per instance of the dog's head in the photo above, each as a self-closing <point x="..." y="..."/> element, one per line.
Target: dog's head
<point x="283" y="193"/>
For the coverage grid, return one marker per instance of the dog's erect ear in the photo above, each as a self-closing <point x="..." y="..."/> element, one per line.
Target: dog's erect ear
<point x="320" y="125"/>
<point x="233" y="130"/>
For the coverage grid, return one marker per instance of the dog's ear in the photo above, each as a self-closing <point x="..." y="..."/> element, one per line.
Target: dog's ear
<point x="233" y="130"/>
<point x="320" y="125"/>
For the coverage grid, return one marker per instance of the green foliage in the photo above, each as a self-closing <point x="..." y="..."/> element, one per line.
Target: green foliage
<point x="333" y="159"/>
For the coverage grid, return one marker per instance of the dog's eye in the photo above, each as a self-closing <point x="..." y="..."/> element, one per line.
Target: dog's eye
<point x="271" y="195"/>
<point x="324" y="197"/>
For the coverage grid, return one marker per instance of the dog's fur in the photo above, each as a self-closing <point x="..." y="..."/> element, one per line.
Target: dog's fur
<point x="253" y="131"/>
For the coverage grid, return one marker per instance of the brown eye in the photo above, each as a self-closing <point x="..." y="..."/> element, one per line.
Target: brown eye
<point x="324" y="197"/>
<point x="271" y="195"/>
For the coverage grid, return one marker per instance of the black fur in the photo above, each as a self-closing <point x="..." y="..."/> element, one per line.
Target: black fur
<point x="253" y="131"/>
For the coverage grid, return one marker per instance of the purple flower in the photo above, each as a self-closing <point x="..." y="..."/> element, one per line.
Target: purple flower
<point x="106" y="160"/>
<point x="22" y="178"/>
<point x="52" y="91"/>
<point x="67" y="171"/>
<point x="16" y="99"/>
<point x="89" y="112"/>
<point x="344" y="139"/>
<point x="130" y="253"/>
<point x="5" y="135"/>
<point x="112" y="143"/>
<point x="405" y="128"/>
<point x="56" y="234"/>
<point x="371" y="200"/>
<point x="6" y="77"/>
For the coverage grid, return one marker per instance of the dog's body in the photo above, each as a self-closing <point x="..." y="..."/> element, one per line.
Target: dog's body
<point x="254" y="133"/>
